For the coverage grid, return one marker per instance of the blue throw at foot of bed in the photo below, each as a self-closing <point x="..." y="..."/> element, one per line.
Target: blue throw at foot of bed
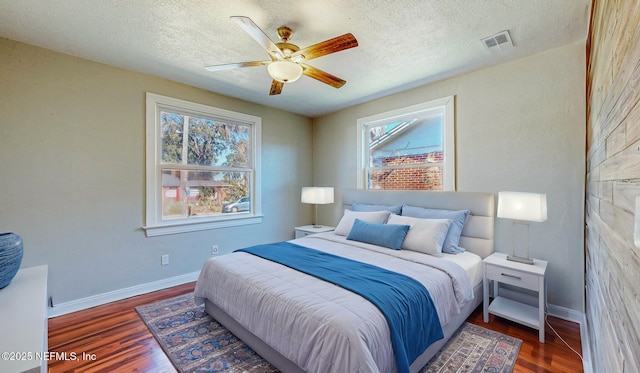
<point x="405" y="303"/>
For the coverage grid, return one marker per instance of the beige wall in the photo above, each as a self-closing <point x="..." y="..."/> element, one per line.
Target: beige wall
<point x="613" y="184"/>
<point x="72" y="173"/>
<point x="519" y="126"/>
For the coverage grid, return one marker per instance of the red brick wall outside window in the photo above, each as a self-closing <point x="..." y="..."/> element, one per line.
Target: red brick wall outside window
<point x="424" y="178"/>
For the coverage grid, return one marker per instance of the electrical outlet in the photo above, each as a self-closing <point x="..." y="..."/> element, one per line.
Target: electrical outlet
<point x="164" y="260"/>
<point x="214" y="249"/>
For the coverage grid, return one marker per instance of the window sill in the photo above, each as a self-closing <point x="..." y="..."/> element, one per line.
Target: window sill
<point x="165" y="229"/>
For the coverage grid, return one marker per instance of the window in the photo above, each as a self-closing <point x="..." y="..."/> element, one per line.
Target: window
<point x="408" y="148"/>
<point x="202" y="167"/>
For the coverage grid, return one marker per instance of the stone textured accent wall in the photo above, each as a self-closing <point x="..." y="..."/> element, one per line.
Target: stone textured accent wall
<point x="613" y="184"/>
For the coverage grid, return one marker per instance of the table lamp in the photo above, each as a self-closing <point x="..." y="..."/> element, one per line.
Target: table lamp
<point x="522" y="208"/>
<point x="317" y="196"/>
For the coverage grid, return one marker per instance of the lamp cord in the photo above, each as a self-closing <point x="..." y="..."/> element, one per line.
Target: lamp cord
<point x="546" y="321"/>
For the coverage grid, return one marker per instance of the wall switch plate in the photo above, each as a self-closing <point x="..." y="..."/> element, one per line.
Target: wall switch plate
<point x="164" y="260"/>
<point x="214" y="249"/>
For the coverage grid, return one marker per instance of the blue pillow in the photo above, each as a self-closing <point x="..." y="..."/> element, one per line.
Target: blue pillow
<point x="458" y="218"/>
<point x="395" y="209"/>
<point x="454" y="250"/>
<point x="387" y="235"/>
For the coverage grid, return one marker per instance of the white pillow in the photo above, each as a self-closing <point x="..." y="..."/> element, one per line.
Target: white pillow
<point x="425" y="235"/>
<point x="344" y="227"/>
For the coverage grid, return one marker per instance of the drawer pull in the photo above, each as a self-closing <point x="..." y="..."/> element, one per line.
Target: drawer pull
<point x="512" y="276"/>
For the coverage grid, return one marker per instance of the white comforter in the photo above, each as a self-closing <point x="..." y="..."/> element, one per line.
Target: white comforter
<point x="317" y="325"/>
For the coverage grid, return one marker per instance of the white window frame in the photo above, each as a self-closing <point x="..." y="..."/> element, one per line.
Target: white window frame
<point x="154" y="224"/>
<point x="448" y="141"/>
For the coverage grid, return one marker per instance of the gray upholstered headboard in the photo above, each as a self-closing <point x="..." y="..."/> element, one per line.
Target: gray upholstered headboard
<point x="477" y="235"/>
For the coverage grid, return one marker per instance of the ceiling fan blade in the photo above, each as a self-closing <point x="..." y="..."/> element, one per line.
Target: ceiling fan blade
<point x="322" y="76"/>
<point x="276" y="88"/>
<point x="229" y="66"/>
<point x="259" y="36"/>
<point x="336" y="44"/>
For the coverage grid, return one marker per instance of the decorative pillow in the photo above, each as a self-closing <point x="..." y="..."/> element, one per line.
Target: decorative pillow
<point x="458" y="217"/>
<point x="425" y="236"/>
<point x="387" y="235"/>
<point x="345" y="224"/>
<point x="394" y="209"/>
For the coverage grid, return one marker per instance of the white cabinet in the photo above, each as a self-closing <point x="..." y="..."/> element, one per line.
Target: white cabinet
<point x="527" y="276"/>
<point x="23" y="322"/>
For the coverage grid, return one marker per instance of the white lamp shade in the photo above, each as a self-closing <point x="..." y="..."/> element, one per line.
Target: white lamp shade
<point x="284" y="71"/>
<point x="522" y="206"/>
<point x="317" y="195"/>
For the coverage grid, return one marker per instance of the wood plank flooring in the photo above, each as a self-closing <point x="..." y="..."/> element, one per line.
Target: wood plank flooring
<point x="113" y="338"/>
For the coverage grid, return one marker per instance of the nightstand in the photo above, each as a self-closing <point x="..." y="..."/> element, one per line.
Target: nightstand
<point x="306" y="230"/>
<point x="527" y="276"/>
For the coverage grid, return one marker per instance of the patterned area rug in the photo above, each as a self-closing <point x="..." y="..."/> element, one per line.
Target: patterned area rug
<point x="474" y="349"/>
<point x="195" y="342"/>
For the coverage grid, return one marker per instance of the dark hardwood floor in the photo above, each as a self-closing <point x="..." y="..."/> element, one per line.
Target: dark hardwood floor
<point x="553" y="356"/>
<point x="113" y="338"/>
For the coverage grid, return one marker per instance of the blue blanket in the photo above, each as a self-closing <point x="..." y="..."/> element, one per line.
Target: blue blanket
<point x="405" y="303"/>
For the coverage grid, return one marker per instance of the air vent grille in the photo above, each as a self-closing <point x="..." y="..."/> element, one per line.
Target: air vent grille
<point x="498" y="42"/>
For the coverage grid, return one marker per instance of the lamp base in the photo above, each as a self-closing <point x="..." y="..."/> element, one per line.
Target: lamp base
<point x="518" y="259"/>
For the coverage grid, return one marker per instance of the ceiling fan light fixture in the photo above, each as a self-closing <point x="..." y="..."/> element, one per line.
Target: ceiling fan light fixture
<point x="285" y="71"/>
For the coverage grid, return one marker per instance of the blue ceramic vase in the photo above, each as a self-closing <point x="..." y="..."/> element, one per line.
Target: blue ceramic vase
<point x="10" y="257"/>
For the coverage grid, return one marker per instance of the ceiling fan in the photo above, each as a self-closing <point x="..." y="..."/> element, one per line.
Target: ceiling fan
<point x="287" y="61"/>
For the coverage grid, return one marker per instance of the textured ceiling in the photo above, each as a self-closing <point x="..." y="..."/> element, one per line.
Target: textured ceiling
<point x="402" y="44"/>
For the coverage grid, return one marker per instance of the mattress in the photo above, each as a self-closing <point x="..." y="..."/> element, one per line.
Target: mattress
<point x="470" y="262"/>
<point x="319" y="326"/>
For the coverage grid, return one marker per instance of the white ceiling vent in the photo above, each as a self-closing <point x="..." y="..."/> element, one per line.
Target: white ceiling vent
<point x="498" y="42"/>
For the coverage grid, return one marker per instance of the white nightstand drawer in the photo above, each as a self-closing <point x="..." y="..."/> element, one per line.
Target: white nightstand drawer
<point x="300" y="234"/>
<point x="513" y="277"/>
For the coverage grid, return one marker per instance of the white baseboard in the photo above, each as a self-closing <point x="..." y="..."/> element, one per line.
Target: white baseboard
<point x="565" y="313"/>
<point x="587" y="363"/>
<point x="112" y="296"/>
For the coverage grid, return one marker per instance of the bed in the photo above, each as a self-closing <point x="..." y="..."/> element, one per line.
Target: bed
<point x="301" y="323"/>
